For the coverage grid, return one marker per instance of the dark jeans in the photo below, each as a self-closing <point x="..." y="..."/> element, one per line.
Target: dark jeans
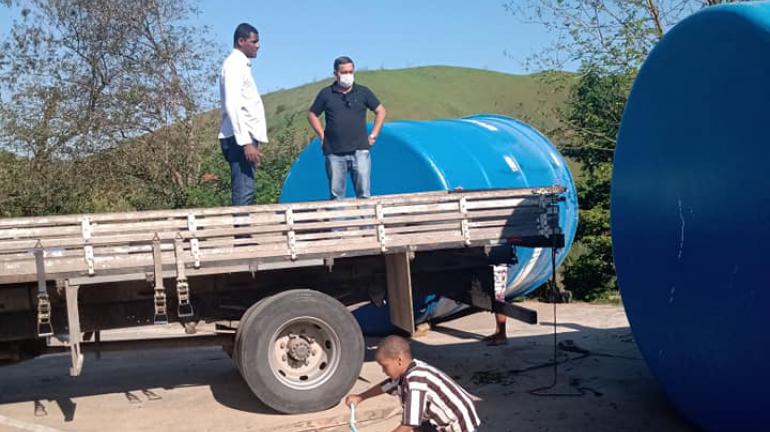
<point x="242" y="171"/>
<point x="358" y="164"/>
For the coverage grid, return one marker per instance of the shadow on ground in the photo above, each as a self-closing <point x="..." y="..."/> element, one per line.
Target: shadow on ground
<point x="137" y="375"/>
<point x="601" y="382"/>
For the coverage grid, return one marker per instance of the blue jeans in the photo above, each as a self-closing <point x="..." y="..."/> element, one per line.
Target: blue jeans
<point x="358" y="164"/>
<point x="242" y="171"/>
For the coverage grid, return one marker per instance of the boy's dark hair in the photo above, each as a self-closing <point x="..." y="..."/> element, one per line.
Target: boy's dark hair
<point x="341" y="61"/>
<point x="243" y="31"/>
<point x="392" y="346"/>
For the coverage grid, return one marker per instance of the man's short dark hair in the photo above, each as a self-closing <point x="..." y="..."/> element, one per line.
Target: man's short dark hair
<point x="243" y="31"/>
<point x="391" y="346"/>
<point x="341" y="61"/>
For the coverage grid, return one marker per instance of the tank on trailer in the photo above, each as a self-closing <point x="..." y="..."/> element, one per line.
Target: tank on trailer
<point x="478" y="152"/>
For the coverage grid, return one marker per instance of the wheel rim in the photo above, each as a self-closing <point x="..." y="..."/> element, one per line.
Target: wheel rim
<point x="304" y="353"/>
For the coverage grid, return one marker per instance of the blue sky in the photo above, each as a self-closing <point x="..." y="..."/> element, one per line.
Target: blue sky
<point x="301" y="38"/>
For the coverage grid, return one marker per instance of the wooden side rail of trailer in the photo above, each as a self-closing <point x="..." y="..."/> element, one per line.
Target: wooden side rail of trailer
<point x="62" y="276"/>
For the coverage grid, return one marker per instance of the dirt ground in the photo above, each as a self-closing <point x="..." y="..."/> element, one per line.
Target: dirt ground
<point x="602" y="384"/>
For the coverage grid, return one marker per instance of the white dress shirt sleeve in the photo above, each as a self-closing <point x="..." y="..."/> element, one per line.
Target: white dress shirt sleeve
<point x="232" y="80"/>
<point x="254" y="119"/>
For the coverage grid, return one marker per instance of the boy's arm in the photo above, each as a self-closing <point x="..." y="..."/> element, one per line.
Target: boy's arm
<point x="403" y="428"/>
<point x="356" y="399"/>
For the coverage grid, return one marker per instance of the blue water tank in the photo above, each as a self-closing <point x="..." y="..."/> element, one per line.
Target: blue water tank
<point x="482" y="151"/>
<point x="691" y="215"/>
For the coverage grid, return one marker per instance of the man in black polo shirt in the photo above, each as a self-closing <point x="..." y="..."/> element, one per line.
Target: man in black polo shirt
<point x="345" y="141"/>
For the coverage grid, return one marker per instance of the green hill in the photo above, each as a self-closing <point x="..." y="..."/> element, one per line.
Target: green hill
<point x="436" y="92"/>
<point x="141" y="176"/>
<point x="432" y="92"/>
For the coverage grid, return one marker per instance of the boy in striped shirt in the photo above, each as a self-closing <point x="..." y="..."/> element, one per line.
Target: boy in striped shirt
<point x="431" y="400"/>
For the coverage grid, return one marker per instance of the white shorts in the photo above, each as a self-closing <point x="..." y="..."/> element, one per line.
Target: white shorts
<point x="500" y="274"/>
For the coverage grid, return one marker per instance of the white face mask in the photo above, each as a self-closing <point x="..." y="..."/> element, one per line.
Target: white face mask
<point x="346" y="80"/>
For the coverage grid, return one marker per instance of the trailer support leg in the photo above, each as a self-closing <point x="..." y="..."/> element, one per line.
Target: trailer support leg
<point x="73" y="324"/>
<point x="399" y="279"/>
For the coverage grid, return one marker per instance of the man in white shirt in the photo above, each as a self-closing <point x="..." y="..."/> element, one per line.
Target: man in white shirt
<point x="243" y="126"/>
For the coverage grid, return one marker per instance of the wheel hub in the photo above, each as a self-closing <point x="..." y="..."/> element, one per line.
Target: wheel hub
<point x="304" y="353"/>
<point x="298" y="349"/>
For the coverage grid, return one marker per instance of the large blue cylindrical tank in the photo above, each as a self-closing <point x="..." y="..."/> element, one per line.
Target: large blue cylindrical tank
<point x="691" y="215"/>
<point x="482" y="151"/>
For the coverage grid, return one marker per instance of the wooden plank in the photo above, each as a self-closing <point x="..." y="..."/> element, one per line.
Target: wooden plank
<point x="426" y="218"/>
<point x="254" y="219"/>
<point x="399" y="281"/>
<point x="498" y="203"/>
<point x="332" y="214"/>
<point x="422" y="228"/>
<point x="77" y="250"/>
<point x="425" y="238"/>
<point x="53" y="231"/>
<point x="421" y="208"/>
<point x="335" y="224"/>
<point x="224" y="267"/>
<point x="366" y="231"/>
<point x="503" y="214"/>
<point x="170" y="224"/>
<point x="516" y="312"/>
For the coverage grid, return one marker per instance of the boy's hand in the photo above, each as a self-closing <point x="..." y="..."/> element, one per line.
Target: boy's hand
<point x="353" y="399"/>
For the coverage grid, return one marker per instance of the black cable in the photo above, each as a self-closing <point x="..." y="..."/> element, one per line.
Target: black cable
<point x="541" y="391"/>
<point x="568" y="346"/>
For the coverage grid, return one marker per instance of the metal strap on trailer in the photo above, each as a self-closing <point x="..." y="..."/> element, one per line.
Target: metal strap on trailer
<point x="152" y="245"/>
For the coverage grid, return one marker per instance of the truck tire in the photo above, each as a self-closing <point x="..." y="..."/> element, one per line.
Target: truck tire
<point x="300" y="351"/>
<point x="239" y="333"/>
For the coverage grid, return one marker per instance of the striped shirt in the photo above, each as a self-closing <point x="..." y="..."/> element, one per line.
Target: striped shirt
<point x="429" y="395"/>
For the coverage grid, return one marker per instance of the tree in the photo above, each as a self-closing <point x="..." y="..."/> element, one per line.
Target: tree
<point x="615" y="35"/>
<point x="593" y="117"/>
<point x="607" y="40"/>
<point x="101" y="93"/>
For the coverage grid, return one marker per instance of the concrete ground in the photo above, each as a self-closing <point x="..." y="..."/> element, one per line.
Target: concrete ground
<point x="602" y="384"/>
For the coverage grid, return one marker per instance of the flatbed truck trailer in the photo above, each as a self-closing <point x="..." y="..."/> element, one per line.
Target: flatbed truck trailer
<point x="288" y="274"/>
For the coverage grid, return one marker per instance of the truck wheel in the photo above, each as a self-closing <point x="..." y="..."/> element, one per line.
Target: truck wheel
<point x="300" y="351"/>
